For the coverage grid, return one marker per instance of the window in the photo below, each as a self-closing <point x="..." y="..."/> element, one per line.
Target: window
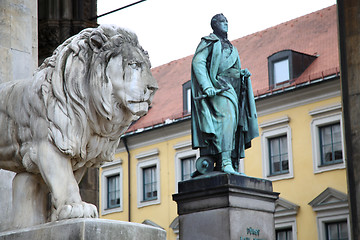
<point x="337" y="231"/>
<point x="278" y="155"/>
<point x="276" y="149"/>
<point x="285" y="219"/>
<point x="113" y="191"/>
<point x="111" y="187"/>
<point x="330" y="144"/>
<point x="332" y="214"/>
<point x="185" y="159"/>
<point x="148" y="178"/>
<point x="287" y="65"/>
<point x="187" y="167"/>
<point x="284" y="234"/>
<point x="327" y="139"/>
<point x="281" y="71"/>
<point x="187" y="97"/>
<point x="149" y="183"/>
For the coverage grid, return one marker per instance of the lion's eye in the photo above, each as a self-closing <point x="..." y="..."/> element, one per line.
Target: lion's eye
<point x="134" y="65"/>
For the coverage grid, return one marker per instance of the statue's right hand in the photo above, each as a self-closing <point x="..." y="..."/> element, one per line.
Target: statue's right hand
<point x="210" y="92"/>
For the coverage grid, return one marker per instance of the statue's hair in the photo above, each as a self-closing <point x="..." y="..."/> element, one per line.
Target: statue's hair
<point x="214" y="20"/>
<point x="78" y="100"/>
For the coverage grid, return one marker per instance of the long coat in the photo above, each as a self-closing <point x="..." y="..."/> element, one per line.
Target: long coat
<point x="204" y="74"/>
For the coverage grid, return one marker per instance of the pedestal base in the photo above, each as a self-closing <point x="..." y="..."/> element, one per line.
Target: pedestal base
<point x="226" y="207"/>
<point x="86" y="229"/>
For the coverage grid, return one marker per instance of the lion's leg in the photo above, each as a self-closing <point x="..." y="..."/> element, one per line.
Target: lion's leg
<point x="30" y="198"/>
<point x="80" y="173"/>
<point x="56" y="169"/>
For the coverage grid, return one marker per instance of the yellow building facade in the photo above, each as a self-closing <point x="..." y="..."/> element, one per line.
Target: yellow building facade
<point x="300" y="147"/>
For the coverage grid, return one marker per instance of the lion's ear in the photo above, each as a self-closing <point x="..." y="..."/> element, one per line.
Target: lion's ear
<point x="96" y="41"/>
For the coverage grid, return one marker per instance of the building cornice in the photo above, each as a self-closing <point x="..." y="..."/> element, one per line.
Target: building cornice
<point x="148" y="137"/>
<point x="274" y="103"/>
<point x="301" y="96"/>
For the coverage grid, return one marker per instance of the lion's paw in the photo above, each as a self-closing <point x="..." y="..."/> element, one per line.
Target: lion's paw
<point x="76" y="210"/>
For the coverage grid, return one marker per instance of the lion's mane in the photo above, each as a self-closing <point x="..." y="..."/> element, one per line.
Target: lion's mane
<point x="79" y="103"/>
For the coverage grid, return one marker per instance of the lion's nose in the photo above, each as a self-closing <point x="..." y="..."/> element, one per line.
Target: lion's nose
<point x="151" y="88"/>
<point x="150" y="92"/>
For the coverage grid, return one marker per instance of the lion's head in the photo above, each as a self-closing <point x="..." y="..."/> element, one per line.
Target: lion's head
<point x="124" y="71"/>
<point x="127" y="69"/>
<point x="96" y="84"/>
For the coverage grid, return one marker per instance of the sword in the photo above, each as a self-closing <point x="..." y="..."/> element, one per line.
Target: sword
<point x="216" y="92"/>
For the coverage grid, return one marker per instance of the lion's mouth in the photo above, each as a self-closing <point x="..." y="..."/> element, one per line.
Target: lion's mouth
<point x="139" y="108"/>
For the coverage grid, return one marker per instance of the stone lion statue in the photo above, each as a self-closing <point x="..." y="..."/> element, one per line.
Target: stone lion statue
<point x="70" y="117"/>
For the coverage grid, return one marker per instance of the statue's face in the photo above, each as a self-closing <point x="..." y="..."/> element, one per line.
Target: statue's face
<point x="222" y="24"/>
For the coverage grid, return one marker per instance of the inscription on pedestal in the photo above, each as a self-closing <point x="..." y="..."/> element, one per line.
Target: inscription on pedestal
<point x="254" y="234"/>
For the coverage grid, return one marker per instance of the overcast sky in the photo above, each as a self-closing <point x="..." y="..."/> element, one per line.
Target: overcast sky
<point x="171" y="29"/>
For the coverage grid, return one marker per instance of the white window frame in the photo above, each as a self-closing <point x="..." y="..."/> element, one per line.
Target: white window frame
<point x="316" y="123"/>
<point x="286" y="217"/>
<point x="272" y="129"/>
<point x="285" y="223"/>
<point x="335" y="216"/>
<point x="183" y="150"/>
<point x="330" y="206"/>
<point x="146" y="160"/>
<point x="180" y="157"/>
<point x="331" y="213"/>
<point x="108" y="170"/>
<point x="187" y="97"/>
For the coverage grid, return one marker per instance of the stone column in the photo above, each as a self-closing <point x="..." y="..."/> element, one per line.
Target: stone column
<point x="18" y="39"/>
<point x="226" y="207"/>
<point x="18" y="51"/>
<point x="59" y="20"/>
<point x="349" y="42"/>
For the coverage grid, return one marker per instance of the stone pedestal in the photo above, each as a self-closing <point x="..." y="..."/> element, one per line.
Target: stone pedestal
<point x="86" y="229"/>
<point x="226" y="207"/>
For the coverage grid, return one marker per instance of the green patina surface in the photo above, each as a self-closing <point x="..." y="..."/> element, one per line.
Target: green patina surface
<point x="224" y="119"/>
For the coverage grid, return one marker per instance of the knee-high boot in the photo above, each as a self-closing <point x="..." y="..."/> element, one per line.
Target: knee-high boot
<point x="226" y="163"/>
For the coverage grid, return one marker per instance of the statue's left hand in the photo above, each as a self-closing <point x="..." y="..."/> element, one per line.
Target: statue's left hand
<point x="210" y="92"/>
<point x="245" y="72"/>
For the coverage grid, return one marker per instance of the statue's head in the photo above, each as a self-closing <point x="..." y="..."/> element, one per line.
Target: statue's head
<point x="219" y="23"/>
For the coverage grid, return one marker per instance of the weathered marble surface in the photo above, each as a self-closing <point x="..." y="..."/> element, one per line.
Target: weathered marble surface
<point x="18" y="39"/>
<point x="18" y="51"/>
<point x="81" y="229"/>
<point x="5" y="198"/>
<point x="70" y="117"/>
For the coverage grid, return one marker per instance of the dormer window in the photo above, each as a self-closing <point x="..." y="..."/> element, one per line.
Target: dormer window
<point x="187" y="97"/>
<point x="281" y="71"/>
<point x="287" y="65"/>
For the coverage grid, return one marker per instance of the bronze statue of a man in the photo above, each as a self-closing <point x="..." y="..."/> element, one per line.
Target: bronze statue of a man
<point x="224" y="119"/>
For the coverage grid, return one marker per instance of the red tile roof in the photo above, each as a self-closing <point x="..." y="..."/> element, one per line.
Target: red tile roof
<point x="313" y="34"/>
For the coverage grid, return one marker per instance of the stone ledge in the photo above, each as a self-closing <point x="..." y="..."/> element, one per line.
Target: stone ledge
<point x="86" y="229"/>
<point x="220" y="190"/>
<point x="219" y="179"/>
